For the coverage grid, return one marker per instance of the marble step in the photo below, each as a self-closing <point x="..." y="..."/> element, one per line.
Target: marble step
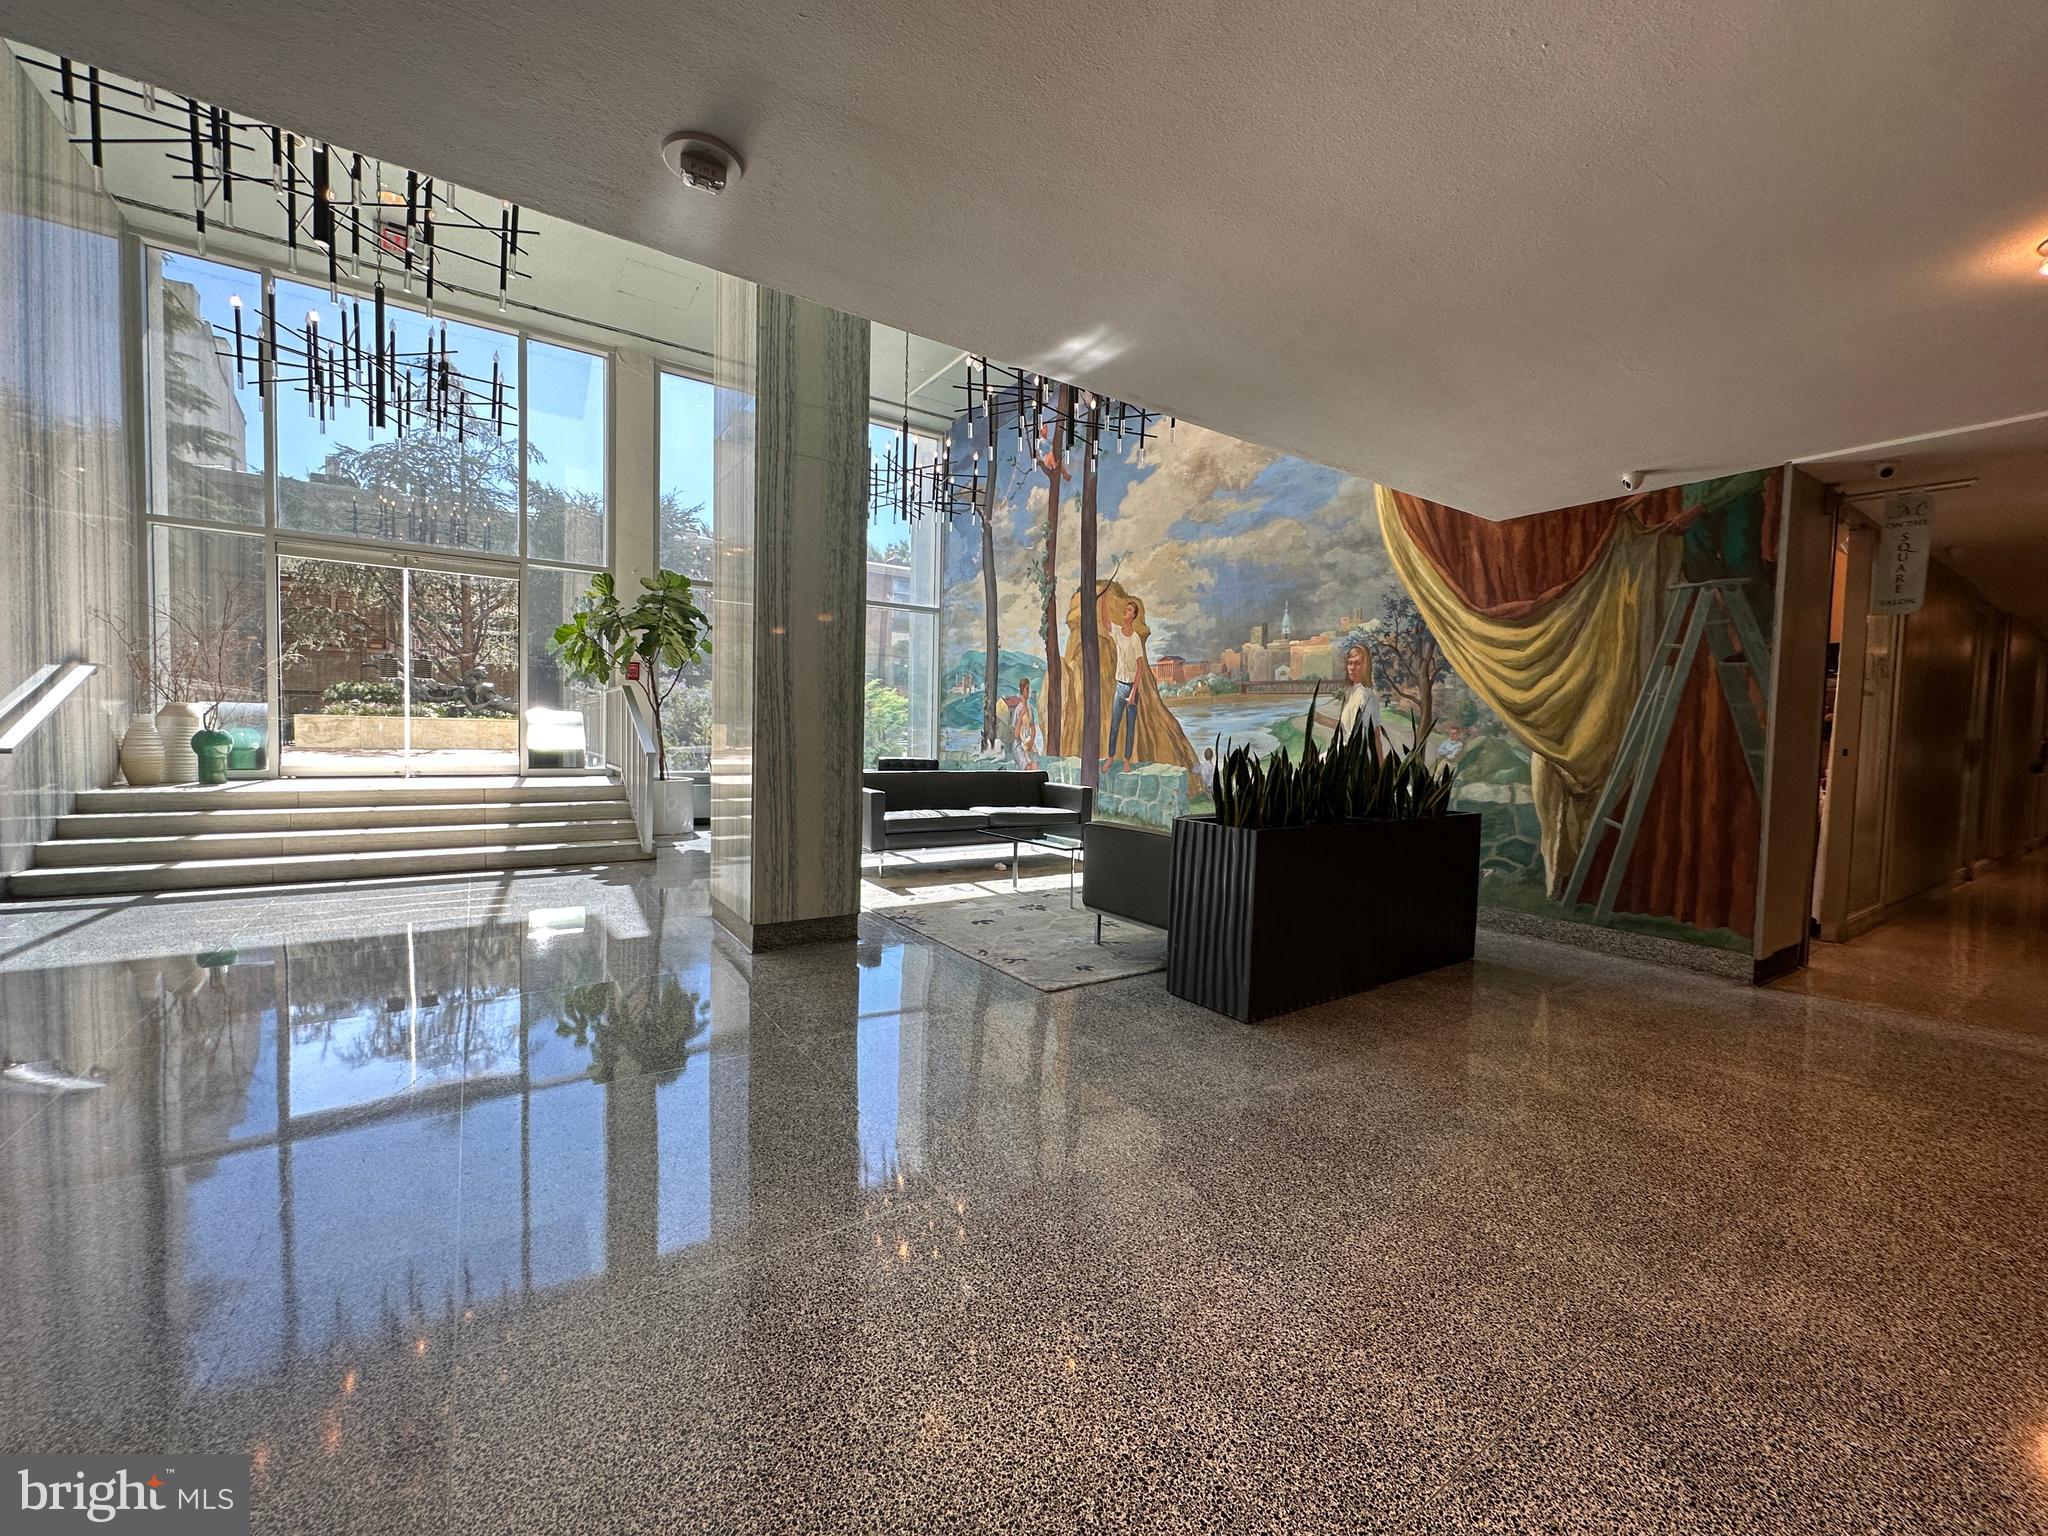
<point x="291" y="843"/>
<point x="208" y="874"/>
<point x="252" y="794"/>
<point x="293" y="818"/>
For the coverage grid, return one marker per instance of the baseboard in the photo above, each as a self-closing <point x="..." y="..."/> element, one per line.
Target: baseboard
<point x="1702" y="958"/>
<point x="754" y="937"/>
<point x="1859" y="923"/>
<point x="1782" y="962"/>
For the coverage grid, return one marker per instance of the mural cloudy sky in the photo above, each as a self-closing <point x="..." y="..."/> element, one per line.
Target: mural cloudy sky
<point x="1216" y="535"/>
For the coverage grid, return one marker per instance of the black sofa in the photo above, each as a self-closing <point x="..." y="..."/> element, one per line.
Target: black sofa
<point x="1124" y="872"/>
<point x="904" y="809"/>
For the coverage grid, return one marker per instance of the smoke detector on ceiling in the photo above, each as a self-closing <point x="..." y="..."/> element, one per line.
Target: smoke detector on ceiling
<point x="704" y="162"/>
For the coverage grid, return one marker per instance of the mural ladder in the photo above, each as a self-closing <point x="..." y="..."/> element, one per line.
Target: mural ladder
<point x="1741" y="656"/>
<point x="1716" y="613"/>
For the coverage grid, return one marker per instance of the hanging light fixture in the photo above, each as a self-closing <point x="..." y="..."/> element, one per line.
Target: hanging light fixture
<point x="320" y="189"/>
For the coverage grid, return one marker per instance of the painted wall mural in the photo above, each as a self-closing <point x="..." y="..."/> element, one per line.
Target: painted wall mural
<point x="1597" y="673"/>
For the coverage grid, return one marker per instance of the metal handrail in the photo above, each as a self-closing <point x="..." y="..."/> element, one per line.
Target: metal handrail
<point x="37" y="699"/>
<point x="629" y="751"/>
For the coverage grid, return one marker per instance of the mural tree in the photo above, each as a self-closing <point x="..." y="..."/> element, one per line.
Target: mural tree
<point x="1053" y="460"/>
<point x="991" y="642"/>
<point x="1090" y="745"/>
<point x="1407" y="661"/>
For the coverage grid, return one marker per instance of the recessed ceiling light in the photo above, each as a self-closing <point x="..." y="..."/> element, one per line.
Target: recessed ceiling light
<point x="704" y="162"/>
<point x="2041" y="251"/>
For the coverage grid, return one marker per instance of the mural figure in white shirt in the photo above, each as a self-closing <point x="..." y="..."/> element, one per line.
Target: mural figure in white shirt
<point x="1130" y="661"/>
<point x="1359" y="700"/>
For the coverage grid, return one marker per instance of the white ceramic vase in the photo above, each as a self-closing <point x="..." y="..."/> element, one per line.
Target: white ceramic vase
<point x="142" y="751"/>
<point x="176" y="724"/>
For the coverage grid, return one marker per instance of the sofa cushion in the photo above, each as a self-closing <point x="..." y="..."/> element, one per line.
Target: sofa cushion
<point x="1029" y="817"/>
<point x="957" y="791"/>
<point x="931" y="821"/>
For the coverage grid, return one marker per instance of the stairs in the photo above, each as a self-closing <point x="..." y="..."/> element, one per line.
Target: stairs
<point x="288" y="831"/>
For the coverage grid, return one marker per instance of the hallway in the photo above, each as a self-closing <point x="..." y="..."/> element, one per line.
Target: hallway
<point x="1975" y="956"/>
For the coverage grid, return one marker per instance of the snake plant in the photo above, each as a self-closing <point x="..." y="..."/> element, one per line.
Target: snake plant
<point x="1355" y="777"/>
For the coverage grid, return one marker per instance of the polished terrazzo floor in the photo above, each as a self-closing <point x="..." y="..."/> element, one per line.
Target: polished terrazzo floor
<point x="1975" y="955"/>
<point x="518" y="1205"/>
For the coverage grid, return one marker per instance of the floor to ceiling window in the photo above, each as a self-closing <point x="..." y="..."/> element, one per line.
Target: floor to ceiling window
<point x="499" y="514"/>
<point x="208" y="452"/>
<point x="682" y="535"/>
<point x="900" y="707"/>
<point x="568" y="540"/>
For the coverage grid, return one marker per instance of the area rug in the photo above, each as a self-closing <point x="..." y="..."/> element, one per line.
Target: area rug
<point x="1038" y="938"/>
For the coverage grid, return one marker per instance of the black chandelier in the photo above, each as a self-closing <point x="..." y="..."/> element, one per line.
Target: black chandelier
<point x="1043" y="415"/>
<point x="334" y="201"/>
<point x="336" y="205"/>
<point x="408" y="391"/>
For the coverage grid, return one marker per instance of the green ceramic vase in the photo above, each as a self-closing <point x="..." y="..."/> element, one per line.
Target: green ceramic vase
<point x="212" y="748"/>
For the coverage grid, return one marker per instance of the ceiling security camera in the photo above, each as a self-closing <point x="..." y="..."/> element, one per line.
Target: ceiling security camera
<point x="1885" y="470"/>
<point x="1632" y="479"/>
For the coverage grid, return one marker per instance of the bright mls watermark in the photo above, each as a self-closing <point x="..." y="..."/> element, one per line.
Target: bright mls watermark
<point x="161" y="1495"/>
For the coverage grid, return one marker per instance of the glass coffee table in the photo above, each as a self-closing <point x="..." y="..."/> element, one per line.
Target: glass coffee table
<point x="1034" y="837"/>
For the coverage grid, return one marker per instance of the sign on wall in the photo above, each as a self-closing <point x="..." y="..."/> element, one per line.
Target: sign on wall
<point x="1898" y="580"/>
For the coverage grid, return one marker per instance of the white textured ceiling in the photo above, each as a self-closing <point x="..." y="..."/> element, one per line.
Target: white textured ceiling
<point x="1492" y="252"/>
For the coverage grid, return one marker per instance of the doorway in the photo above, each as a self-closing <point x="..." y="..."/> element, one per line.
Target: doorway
<point x="394" y="667"/>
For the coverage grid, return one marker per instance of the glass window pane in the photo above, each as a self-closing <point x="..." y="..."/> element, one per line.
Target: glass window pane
<point x="686" y="718"/>
<point x="903" y="554"/>
<point x="683" y="540"/>
<point x="451" y="479"/>
<point x="342" y="685"/>
<point x="205" y="411"/>
<point x="900" y="684"/>
<point x="564" y="718"/>
<point x="209" y="629"/>
<point x="463" y="714"/>
<point x="565" y="455"/>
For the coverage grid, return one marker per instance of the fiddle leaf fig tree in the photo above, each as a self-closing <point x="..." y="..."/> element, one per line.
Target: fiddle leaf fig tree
<point x="663" y="631"/>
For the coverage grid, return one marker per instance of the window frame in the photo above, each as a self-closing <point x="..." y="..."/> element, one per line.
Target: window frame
<point x="936" y="557"/>
<point x="267" y="275"/>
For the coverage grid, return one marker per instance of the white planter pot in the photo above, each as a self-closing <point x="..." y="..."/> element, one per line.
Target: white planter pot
<point x="176" y="724"/>
<point x="142" y="752"/>
<point x="679" y="804"/>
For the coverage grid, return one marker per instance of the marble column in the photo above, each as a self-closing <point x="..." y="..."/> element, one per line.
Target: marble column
<point x="789" y="524"/>
<point x="68" y="544"/>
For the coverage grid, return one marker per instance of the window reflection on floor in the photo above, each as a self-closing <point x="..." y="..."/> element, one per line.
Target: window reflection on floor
<point x="482" y="1064"/>
<point x="888" y="1038"/>
<point x="313" y="1147"/>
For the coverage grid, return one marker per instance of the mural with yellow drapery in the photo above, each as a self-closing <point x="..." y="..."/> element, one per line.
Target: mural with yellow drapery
<point x="1272" y="592"/>
<point x="1553" y="621"/>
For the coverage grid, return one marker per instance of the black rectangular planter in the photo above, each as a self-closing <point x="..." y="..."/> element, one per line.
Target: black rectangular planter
<point x="1266" y="920"/>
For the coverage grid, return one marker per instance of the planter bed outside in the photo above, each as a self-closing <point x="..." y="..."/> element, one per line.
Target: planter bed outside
<point x="1263" y="921"/>
<point x="386" y="733"/>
